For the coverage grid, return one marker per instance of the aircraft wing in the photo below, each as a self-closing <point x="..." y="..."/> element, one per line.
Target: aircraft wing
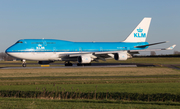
<point x="113" y="52"/>
<point x="105" y="55"/>
<point x="129" y="52"/>
<point x="169" y="48"/>
<point x="95" y="55"/>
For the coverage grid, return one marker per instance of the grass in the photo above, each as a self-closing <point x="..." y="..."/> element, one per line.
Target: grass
<point x="143" y="80"/>
<point x="148" y="88"/>
<point x="87" y="72"/>
<point x="131" y="80"/>
<point x="87" y="80"/>
<point x="88" y="76"/>
<point x="21" y="103"/>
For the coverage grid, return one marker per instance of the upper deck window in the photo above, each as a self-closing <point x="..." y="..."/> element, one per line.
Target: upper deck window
<point x="19" y="42"/>
<point x="51" y="42"/>
<point x="36" y="42"/>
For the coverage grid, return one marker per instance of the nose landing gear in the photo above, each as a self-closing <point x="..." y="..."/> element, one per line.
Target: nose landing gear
<point x="23" y="63"/>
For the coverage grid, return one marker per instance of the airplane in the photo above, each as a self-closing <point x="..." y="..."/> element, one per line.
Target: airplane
<point x="46" y="51"/>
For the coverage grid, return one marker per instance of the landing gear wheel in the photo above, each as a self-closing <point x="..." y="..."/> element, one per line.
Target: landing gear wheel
<point x="68" y="64"/>
<point x="24" y="65"/>
<point x="89" y="64"/>
<point x="78" y="64"/>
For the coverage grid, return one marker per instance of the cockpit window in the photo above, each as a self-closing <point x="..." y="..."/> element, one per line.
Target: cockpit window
<point x="19" y="42"/>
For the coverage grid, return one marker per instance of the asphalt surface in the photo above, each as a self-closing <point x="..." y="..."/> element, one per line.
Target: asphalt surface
<point x="172" y="66"/>
<point x="74" y="66"/>
<point x="61" y="65"/>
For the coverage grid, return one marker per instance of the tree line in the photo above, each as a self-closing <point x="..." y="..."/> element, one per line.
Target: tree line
<point x="5" y="57"/>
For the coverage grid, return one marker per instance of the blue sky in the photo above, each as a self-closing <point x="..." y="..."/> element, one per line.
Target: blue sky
<point x="88" y="20"/>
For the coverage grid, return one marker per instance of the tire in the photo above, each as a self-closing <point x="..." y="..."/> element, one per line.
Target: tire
<point x="24" y="65"/>
<point x="78" y="64"/>
<point x="69" y="64"/>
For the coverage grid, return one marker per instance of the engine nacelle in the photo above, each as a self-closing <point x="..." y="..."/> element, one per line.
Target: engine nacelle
<point x="45" y="62"/>
<point x="120" y="56"/>
<point x="84" y="59"/>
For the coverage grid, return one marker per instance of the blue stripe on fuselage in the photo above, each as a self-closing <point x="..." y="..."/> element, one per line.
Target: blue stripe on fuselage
<point x="52" y="45"/>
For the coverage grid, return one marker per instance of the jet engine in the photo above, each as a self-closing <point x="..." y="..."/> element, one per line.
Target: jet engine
<point x="45" y="62"/>
<point x="84" y="59"/>
<point x="120" y="56"/>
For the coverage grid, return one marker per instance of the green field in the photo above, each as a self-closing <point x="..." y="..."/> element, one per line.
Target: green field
<point x="148" y="88"/>
<point x="141" y="80"/>
<point x="82" y="104"/>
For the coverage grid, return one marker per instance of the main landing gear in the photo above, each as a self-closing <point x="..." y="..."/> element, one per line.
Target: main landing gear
<point x="23" y="63"/>
<point x="68" y="64"/>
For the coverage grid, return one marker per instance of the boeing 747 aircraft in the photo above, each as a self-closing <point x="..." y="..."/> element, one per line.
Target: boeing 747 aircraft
<point x="47" y="51"/>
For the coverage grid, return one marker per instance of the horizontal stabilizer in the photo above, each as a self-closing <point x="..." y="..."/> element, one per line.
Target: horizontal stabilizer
<point x="142" y="46"/>
<point x="171" y="47"/>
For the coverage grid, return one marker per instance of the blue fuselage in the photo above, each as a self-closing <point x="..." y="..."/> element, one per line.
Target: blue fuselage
<point x="52" y="45"/>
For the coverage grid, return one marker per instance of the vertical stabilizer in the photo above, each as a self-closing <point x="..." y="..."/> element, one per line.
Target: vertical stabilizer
<point x="139" y="34"/>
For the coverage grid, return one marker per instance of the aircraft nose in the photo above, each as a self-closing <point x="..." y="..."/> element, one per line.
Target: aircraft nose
<point x="8" y="50"/>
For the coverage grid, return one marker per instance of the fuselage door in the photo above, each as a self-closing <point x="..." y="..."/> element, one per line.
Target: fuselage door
<point x="80" y="49"/>
<point x="101" y="49"/>
<point x="32" y="50"/>
<point x="54" y="50"/>
<point x="44" y="43"/>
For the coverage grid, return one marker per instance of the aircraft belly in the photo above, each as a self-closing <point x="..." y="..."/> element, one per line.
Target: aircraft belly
<point x="40" y="56"/>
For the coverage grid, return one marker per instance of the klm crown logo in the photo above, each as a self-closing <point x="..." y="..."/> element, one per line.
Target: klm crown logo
<point x="140" y="30"/>
<point x="140" y="34"/>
